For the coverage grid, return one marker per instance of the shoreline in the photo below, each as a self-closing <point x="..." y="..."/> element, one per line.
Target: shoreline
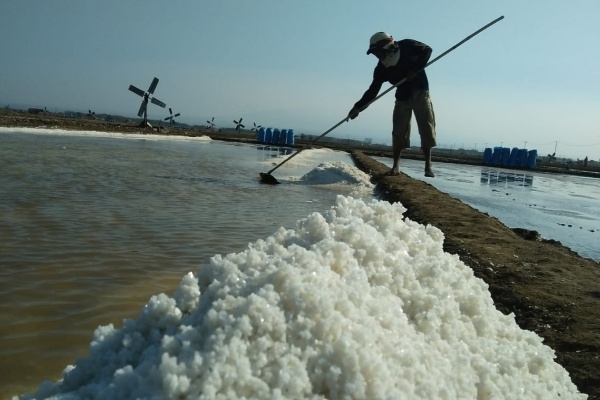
<point x="23" y="119"/>
<point x="550" y="289"/>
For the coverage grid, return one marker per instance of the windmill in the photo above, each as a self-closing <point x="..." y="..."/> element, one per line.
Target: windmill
<point x="238" y="124"/>
<point x="256" y="127"/>
<point x="171" y="118"/>
<point x="146" y="96"/>
<point x="211" y="123"/>
<point x="91" y="114"/>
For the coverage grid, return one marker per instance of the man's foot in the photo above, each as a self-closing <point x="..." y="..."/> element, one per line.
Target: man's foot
<point x="429" y="173"/>
<point x="393" y="172"/>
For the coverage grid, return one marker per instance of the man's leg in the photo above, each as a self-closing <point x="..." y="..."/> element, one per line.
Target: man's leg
<point x="426" y="122"/>
<point x="396" y="153"/>
<point x="400" y="132"/>
<point x="428" y="170"/>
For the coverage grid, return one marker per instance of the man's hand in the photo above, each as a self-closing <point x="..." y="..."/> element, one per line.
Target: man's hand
<point x="353" y="113"/>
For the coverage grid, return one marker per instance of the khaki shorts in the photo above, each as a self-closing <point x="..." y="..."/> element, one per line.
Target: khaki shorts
<point x="420" y="104"/>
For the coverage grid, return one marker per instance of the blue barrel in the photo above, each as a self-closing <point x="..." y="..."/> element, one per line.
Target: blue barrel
<point x="487" y="156"/>
<point x="261" y="135"/>
<point x="283" y="136"/>
<point x="269" y="135"/>
<point x="276" y="133"/>
<point x="514" y="155"/>
<point x="522" y="158"/>
<point x="531" y="159"/>
<point x="505" y="156"/>
<point x="290" y="137"/>
<point x="497" y="155"/>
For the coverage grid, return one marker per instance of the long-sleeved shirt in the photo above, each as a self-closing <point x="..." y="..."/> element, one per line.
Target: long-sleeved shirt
<point x="413" y="57"/>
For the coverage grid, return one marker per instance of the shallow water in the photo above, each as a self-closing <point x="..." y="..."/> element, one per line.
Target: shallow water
<point x="565" y="208"/>
<point x="92" y="226"/>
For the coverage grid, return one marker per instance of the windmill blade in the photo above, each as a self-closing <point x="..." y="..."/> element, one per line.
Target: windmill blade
<point x="168" y="118"/>
<point x="153" y="85"/>
<point x="241" y="120"/>
<point x="170" y="111"/>
<point x="158" y="102"/>
<point x="242" y="126"/>
<point x="143" y="108"/>
<point x="176" y="115"/>
<point x="137" y="91"/>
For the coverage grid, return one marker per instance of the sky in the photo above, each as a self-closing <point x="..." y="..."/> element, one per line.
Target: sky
<point x="531" y="80"/>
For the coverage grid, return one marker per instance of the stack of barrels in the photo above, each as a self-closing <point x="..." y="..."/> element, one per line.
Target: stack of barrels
<point x="275" y="136"/>
<point x="511" y="158"/>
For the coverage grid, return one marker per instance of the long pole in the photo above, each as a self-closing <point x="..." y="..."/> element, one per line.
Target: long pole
<point x="386" y="91"/>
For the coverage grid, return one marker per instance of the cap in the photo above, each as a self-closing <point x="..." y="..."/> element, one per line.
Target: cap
<point x="379" y="40"/>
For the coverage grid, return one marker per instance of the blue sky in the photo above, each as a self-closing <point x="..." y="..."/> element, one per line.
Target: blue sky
<point x="532" y="80"/>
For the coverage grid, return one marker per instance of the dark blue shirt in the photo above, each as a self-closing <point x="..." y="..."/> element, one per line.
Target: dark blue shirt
<point x="413" y="57"/>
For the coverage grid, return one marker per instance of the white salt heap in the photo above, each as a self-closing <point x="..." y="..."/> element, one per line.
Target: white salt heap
<point x="341" y="177"/>
<point x="355" y="303"/>
<point x="338" y="172"/>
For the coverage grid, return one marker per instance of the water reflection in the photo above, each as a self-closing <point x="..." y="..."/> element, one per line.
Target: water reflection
<point x="504" y="178"/>
<point x="274" y="151"/>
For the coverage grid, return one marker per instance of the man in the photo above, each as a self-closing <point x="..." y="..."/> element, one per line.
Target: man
<point x="398" y="60"/>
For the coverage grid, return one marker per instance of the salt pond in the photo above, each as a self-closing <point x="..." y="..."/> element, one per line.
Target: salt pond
<point x="559" y="207"/>
<point x="349" y="301"/>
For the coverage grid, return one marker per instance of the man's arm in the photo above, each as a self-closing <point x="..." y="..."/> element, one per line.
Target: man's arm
<point x="364" y="101"/>
<point x="369" y="95"/>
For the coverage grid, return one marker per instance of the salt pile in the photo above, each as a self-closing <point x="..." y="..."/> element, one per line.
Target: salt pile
<point x="309" y="157"/>
<point x="336" y="173"/>
<point x="340" y="176"/>
<point x="353" y="303"/>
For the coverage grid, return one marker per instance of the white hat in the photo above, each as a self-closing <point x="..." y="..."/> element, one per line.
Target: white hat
<point x="379" y="40"/>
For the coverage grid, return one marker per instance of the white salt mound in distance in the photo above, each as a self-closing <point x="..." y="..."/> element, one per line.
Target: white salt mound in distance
<point x="341" y="176"/>
<point x="338" y="172"/>
<point x="309" y="157"/>
<point x="353" y="303"/>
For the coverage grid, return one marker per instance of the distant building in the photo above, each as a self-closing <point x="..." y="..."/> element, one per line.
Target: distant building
<point x="35" y="110"/>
